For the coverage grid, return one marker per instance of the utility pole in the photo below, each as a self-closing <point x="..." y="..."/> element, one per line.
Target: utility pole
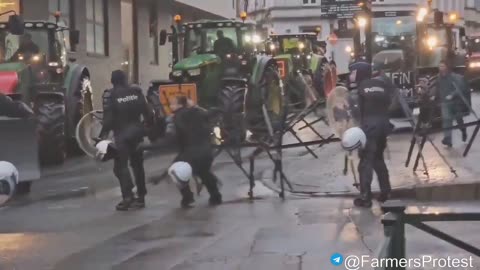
<point x="366" y="7"/>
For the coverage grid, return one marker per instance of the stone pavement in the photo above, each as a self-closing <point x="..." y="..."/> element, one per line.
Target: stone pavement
<point x="86" y="233"/>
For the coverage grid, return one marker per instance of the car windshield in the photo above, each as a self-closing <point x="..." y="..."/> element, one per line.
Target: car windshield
<point x="293" y="45"/>
<point x="202" y="40"/>
<point x="18" y="48"/>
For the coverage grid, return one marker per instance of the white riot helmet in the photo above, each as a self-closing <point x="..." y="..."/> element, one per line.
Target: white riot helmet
<point x="353" y="138"/>
<point x="105" y="150"/>
<point x="180" y="172"/>
<point x="8" y="181"/>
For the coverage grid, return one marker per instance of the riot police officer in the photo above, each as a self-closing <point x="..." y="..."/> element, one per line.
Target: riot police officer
<point x="375" y="97"/>
<point x="11" y="108"/>
<point x="123" y="106"/>
<point x="193" y="134"/>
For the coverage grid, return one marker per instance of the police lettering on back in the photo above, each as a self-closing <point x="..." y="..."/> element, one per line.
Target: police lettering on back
<point x="127" y="99"/>
<point x="374" y="89"/>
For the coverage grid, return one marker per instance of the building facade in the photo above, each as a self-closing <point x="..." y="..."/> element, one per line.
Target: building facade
<point x="120" y="34"/>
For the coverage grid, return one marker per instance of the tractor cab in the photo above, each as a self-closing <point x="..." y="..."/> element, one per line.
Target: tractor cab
<point x="219" y="37"/>
<point x="297" y="47"/>
<point x="441" y="41"/>
<point x="42" y="47"/>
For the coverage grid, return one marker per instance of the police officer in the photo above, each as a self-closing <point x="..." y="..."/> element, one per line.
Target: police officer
<point x="193" y="134"/>
<point x="11" y="108"/>
<point x="375" y="97"/>
<point x="123" y="105"/>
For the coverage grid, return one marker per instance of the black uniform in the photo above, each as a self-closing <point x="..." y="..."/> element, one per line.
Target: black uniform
<point x="375" y="98"/>
<point x="193" y="135"/>
<point x="123" y="106"/>
<point x="11" y="108"/>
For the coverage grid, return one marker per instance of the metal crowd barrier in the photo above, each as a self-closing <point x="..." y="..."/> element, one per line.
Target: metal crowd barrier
<point x="396" y="217"/>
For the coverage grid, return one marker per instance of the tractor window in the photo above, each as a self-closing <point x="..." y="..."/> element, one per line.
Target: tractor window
<point x="202" y="40"/>
<point x="61" y="47"/>
<point x="22" y="48"/>
<point x="394" y="26"/>
<point x="294" y="45"/>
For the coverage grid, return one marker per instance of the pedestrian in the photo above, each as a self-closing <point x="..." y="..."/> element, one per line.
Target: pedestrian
<point x="123" y="106"/>
<point x="375" y="97"/>
<point x="452" y="91"/>
<point x="193" y="135"/>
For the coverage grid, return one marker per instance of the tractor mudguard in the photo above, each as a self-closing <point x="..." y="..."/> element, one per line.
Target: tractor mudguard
<point x="72" y="80"/>
<point x="261" y="63"/>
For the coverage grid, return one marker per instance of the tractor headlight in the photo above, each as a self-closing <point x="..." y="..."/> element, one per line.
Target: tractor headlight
<point x="474" y="65"/>
<point x="432" y="42"/>
<point x="36" y="58"/>
<point x="256" y="39"/>
<point x="309" y="57"/>
<point x="177" y="73"/>
<point x="194" y="72"/>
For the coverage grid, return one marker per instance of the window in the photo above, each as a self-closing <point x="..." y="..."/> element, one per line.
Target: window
<point x="153" y="28"/>
<point x="96" y="27"/>
<point x="309" y="2"/>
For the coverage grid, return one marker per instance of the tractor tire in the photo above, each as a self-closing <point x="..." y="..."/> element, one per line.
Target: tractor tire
<point x="51" y="131"/>
<point x="23" y="188"/>
<point x="323" y="80"/>
<point x="269" y="95"/>
<point x="159" y="121"/>
<point x="83" y="105"/>
<point x="231" y="100"/>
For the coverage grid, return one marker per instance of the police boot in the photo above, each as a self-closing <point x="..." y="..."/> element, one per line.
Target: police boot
<point x="125" y="204"/>
<point x="187" y="197"/>
<point x="364" y="200"/>
<point x="464" y="135"/>
<point x="215" y="199"/>
<point x="138" y="203"/>
<point x="383" y="197"/>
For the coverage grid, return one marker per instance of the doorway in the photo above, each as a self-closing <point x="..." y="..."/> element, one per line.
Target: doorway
<point x="129" y="40"/>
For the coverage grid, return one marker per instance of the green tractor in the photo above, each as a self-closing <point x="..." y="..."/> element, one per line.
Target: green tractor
<point x="34" y="68"/>
<point x="218" y="65"/>
<point x="306" y="71"/>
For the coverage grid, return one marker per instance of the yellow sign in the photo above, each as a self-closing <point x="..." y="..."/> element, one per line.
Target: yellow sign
<point x="169" y="93"/>
<point x="6" y="5"/>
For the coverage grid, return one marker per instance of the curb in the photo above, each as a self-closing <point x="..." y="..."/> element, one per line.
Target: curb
<point x="426" y="193"/>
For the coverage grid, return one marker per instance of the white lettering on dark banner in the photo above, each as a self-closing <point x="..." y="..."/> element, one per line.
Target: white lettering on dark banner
<point x="127" y="99"/>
